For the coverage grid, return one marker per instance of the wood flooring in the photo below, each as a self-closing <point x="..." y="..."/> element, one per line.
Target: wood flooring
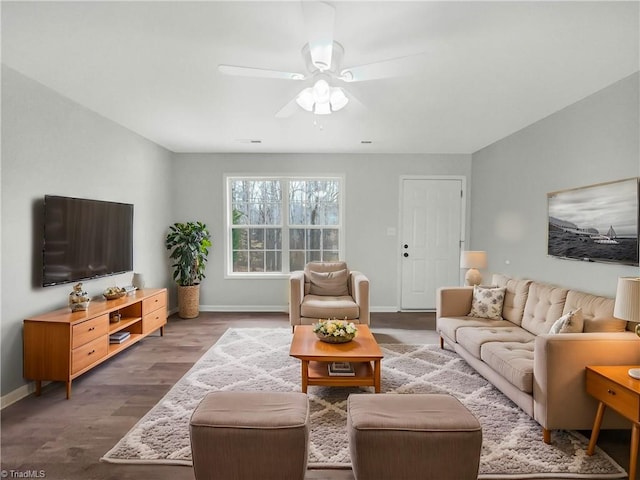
<point x="54" y="438"/>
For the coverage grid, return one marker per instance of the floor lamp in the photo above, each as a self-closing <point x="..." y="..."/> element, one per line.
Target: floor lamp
<point x="473" y="259"/>
<point x="627" y="307"/>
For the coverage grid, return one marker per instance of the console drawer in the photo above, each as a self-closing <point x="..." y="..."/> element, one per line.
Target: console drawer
<point x="614" y="395"/>
<point x="154" y="303"/>
<point x="154" y="320"/>
<point x="85" y="355"/>
<point x="88" y="330"/>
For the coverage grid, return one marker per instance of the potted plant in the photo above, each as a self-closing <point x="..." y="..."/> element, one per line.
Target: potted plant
<point x="189" y="244"/>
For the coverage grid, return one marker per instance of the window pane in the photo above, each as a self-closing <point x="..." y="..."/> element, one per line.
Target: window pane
<point x="240" y="261"/>
<point x="256" y="261"/>
<point x="313" y="256"/>
<point x="330" y="256"/>
<point x="330" y="238"/>
<point x="240" y="214"/>
<point x="239" y="239"/>
<point x="296" y="239"/>
<point x="296" y="260"/>
<point x="314" y="237"/>
<point x="273" y="261"/>
<point x="274" y="239"/>
<point x="256" y="238"/>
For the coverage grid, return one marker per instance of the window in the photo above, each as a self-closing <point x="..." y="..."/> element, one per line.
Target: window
<point x="277" y="225"/>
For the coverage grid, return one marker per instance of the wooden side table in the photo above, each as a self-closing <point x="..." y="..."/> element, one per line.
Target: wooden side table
<point x="613" y="387"/>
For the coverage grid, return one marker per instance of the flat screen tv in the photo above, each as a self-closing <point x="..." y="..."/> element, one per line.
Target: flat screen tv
<point x="85" y="239"/>
<point x="596" y="223"/>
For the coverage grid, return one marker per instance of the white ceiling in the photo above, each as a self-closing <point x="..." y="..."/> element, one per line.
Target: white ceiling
<point x="488" y="69"/>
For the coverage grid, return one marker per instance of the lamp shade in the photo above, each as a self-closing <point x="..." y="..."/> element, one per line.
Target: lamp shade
<point x="627" y="306"/>
<point x="473" y="259"/>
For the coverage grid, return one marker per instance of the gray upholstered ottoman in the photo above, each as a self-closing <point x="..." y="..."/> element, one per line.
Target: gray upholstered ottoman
<point x="250" y="435"/>
<point x="412" y="436"/>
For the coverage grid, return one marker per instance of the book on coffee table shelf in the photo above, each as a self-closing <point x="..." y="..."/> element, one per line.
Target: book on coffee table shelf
<point x="341" y="369"/>
<point x="119" y="337"/>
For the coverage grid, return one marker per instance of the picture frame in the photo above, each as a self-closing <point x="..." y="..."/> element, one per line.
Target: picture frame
<point x="595" y="223"/>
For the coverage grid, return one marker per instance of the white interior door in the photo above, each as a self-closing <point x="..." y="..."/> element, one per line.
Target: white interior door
<point x="431" y="224"/>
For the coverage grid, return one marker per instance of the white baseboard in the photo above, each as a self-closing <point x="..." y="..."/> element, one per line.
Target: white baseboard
<point x="18" y="394"/>
<point x="270" y="308"/>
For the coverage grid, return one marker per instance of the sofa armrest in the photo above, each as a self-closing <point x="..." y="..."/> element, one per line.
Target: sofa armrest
<point x="360" y="291"/>
<point x="559" y="386"/>
<point x="296" y="294"/>
<point x="453" y="301"/>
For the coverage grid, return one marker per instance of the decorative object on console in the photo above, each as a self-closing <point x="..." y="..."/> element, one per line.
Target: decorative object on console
<point x="627" y="307"/>
<point x="335" y="331"/>
<point x="138" y="281"/>
<point x="78" y="299"/>
<point x="189" y="244"/>
<point x="473" y="259"/>
<point x="113" y="293"/>
<point x="114" y="317"/>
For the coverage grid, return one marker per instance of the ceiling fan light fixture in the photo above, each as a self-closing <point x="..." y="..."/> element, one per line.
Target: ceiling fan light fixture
<point x="305" y="99"/>
<point x="321" y="92"/>
<point x="322" y="109"/>
<point x="338" y="99"/>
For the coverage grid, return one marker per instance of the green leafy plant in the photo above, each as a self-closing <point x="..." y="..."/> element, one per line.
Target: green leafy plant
<point x="189" y="244"/>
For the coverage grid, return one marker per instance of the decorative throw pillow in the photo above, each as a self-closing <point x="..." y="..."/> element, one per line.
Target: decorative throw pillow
<point x="571" y="322"/>
<point x="487" y="302"/>
<point x="328" y="283"/>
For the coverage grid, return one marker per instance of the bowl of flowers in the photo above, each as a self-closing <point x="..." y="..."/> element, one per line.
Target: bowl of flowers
<point x="335" y="331"/>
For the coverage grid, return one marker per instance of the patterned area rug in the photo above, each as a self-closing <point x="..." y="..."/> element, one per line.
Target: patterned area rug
<point x="258" y="359"/>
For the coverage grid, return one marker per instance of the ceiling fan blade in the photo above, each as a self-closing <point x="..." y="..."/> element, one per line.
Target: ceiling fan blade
<point x="394" y="67"/>
<point x="319" y="18"/>
<point x="258" y="72"/>
<point x="289" y="109"/>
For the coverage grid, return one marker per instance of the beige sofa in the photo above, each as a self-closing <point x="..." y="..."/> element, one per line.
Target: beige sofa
<point x="543" y="373"/>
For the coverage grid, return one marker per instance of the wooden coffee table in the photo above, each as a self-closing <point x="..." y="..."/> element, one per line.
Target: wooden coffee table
<point x="316" y="355"/>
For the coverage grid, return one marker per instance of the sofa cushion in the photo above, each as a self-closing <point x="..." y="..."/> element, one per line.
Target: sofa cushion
<point x="487" y="302"/>
<point x="512" y="360"/>
<point x="323" y="307"/>
<point x="515" y="298"/>
<point x="571" y="322"/>
<point x="597" y="312"/>
<point x="544" y="306"/>
<point x="472" y="338"/>
<point x="328" y="283"/>
<point x="448" y="326"/>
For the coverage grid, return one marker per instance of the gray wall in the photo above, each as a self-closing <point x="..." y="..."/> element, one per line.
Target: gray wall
<point x="592" y="141"/>
<point x="371" y="205"/>
<point x="51" y="145"/>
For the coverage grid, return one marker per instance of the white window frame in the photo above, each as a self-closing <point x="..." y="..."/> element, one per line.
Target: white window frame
<point x="228" y="178"/>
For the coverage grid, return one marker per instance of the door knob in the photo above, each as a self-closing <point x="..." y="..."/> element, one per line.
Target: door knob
<point x="406" y="254"/>
<point x="406" y="246"/>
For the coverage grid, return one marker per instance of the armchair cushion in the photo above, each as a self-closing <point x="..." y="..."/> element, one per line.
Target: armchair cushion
<point x="323" y="307"/>
<point x="329" y="283"/>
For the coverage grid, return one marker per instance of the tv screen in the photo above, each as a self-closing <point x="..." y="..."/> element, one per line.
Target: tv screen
<point x="85" y="239"/>
<point x="597" y="223"/>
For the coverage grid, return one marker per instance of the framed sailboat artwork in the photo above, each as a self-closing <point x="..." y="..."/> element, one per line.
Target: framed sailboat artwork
<point x="596" y="223"/>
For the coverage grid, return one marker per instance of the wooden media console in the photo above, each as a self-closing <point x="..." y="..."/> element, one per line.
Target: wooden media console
<point x="62" y="345"/>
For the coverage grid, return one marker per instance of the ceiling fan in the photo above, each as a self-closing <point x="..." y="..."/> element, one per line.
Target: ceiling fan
<point x="323" y="59"/>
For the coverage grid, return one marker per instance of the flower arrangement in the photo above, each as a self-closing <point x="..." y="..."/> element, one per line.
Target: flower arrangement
<point x="335" y="331"/>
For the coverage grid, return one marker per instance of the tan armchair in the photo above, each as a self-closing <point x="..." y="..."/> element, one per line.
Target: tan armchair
<point x="328" y="290"/>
